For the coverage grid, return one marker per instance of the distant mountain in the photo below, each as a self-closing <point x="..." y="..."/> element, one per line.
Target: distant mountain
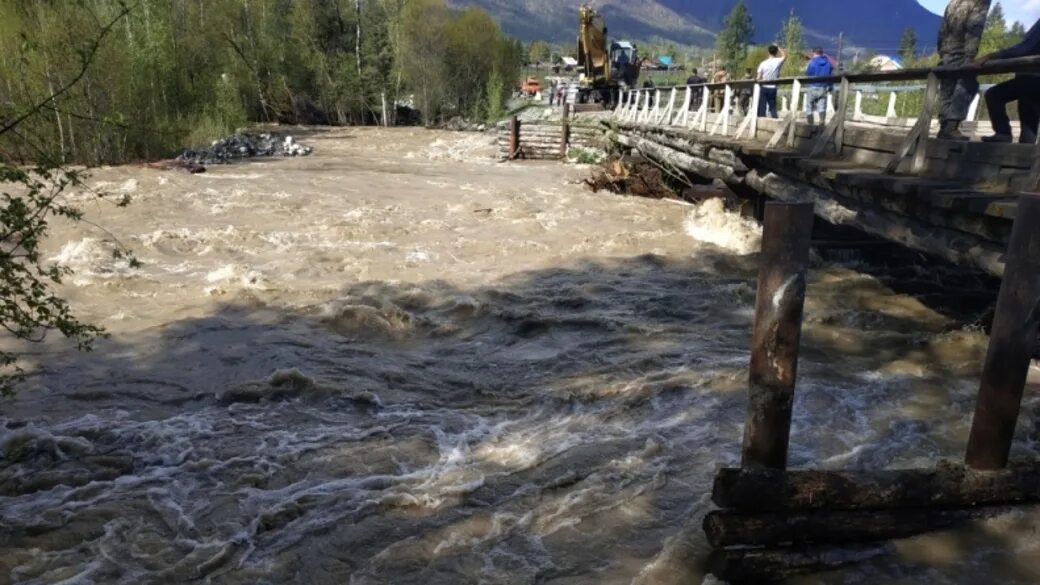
<point x="876" y="24"/>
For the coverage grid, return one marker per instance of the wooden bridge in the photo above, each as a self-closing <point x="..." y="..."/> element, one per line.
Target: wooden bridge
<point x="882" y="174"/>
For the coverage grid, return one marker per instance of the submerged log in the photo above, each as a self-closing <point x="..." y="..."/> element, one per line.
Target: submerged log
<point x="771" y="565"/>
<point x="945" y="487"/>
<point x="727" y="528"/>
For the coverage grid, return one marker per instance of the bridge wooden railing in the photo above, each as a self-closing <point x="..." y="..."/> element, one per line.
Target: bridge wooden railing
<point x="660" y="106"/>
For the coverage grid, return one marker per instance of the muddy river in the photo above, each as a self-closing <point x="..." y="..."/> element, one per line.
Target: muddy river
<point x="399" y="361"/>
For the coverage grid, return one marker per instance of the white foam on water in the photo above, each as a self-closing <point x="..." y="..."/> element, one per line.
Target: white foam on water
<point x="711" y="223"/>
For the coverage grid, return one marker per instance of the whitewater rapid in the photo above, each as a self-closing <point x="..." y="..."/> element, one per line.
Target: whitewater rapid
<point x="399" y="361"/>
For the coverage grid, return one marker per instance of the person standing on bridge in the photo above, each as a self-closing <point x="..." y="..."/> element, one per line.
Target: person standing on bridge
<point x="718" y="96"/>
<point x="959" y="36"/>
<point x="769" y="70"/>
<point x="1024" y="88"/>
<point x="816" y="96"/>
<point x="698" y="96"/>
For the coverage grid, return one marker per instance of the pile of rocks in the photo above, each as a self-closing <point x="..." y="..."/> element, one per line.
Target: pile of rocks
<point x="245" y="145"/>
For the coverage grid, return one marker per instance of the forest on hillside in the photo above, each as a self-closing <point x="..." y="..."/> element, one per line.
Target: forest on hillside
<point x="141" y="79"/>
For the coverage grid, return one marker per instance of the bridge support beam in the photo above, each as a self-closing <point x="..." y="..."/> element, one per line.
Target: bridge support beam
<point x="1012" y="341"/>
<point x="787" y="234"/>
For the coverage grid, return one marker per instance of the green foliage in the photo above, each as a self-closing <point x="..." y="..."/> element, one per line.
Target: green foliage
<point x="538" y="52"/>
<point x="495" y="97"/>
<point x="792" y="39"/>
<point x="29" y="307"/>
<point x="182" y="72"/>
<point x="732" y="43"/>
<point x="1016" y="34"/>
<point x="30" y="197"/>
<point x="995" y="35"/>
<point x="908" y="45"/>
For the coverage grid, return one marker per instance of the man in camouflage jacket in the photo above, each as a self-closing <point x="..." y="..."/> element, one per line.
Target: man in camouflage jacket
<point x="959" y="37"/>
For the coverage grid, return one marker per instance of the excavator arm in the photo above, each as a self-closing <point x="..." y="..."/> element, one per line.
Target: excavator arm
<point x="593" y="56"/>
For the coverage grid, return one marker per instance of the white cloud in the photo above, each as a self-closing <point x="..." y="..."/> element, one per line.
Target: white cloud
<point x="1025" y="11"/>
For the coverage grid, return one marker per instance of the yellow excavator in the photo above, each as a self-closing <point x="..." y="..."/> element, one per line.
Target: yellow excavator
<point x="607" y="68"/>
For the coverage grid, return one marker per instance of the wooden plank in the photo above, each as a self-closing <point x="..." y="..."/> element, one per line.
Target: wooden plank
<point x="1012" y="341"/>
<point x="948" y="486"/>
<point x="787" y="233"/>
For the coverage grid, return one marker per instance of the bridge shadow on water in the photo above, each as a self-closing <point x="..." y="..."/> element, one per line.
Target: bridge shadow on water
<point x="557" y="426"/>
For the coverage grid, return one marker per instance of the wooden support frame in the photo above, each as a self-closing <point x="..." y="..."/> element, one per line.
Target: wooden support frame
<point x="684" y="115"/>
<point x="749" y="125"/>
<point x="787" y="234"/>
<point x="834" y="132"/>
<point x="722" y="121"/>
<point x="1012" y="341"/>
<point x="916" y="142"/>
<point x="700" y="121"/>
<point x="788" y="126"/>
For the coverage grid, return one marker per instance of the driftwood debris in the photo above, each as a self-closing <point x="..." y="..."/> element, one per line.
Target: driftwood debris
<point x="636" y="177"/>
<point x="174" y="164"/>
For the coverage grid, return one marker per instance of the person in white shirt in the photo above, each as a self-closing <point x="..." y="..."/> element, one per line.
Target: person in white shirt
<point x="769" y="70"/>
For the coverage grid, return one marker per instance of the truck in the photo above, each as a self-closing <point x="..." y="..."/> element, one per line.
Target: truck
<point x="606" y="67"/>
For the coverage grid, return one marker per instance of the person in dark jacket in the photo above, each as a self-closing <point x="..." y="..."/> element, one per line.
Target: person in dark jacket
<point x="816" y="94"/>
<point x="698" y="94"/>
<point x="959" y="36"/>
<point x="1024" y="88"/>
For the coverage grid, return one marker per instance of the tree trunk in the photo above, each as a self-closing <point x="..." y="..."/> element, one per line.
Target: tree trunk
<point x="945" y="487"/>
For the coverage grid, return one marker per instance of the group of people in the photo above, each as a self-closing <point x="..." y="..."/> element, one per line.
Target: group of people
<point x="769" y="70"/>
<point x="959" y="37"/>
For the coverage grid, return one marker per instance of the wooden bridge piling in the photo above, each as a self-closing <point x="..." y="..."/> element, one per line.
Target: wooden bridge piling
<point x="514" y="137"/>
<point x="787" y="233"/>
<point x="1012" y="341"/>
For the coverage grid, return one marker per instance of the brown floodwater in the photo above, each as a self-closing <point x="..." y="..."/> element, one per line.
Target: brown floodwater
<point x="399" y="361"/>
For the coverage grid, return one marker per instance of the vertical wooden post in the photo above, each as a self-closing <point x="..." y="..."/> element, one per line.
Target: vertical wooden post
<point x="565" y="131"/>
<point x="840" y="115"/>
<point x="705" y="108"/>
<point x="1011" y="345"/>
<point x="787" y="233"/>
<point x="514" y="137"/>
<point x="796" y="98"/>
<point x="756" y="98"/>
<point x="916" y="142"/>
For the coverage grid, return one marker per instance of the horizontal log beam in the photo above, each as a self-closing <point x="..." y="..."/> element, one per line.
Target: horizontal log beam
<point x="728" y="528"/>
<point x="772" y="565"/>
<point x="944" y="487"/>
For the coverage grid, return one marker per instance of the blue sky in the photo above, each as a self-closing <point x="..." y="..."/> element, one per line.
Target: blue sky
<point x="1025" y="11"/>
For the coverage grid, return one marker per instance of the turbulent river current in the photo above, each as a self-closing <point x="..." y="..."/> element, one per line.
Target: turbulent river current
<point x="398" y="361"/>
